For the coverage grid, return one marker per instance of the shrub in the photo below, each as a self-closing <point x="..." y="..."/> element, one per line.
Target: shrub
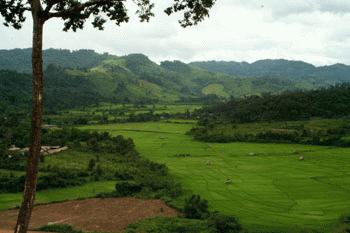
<point x="127" y="188"/>
<point x="11" y="183"/>
<point x="196" y="208"/>
<point x="59" y="228"/>
<point x="61" y="178"/>
<point x="168" y="225"/>
<point x="220" y="223"/>
<point x="92" y="164"/>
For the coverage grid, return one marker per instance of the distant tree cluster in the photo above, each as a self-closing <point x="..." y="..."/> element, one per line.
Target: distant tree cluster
<point x="20" y="59"/>
<point x="329" y="102"/>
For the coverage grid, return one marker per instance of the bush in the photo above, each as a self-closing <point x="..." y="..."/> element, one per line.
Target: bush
<point x="58" y="228"/>
<point x="11" y="183"/>
<point x="196" y="208"/>
<point x="127" y="188"/>
<point x="61" y="178"/>
<point x="168" y="225"/>
<point x="220" y="223"/>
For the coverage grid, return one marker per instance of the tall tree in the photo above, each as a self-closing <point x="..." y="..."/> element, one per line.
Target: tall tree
<point x="74" y="14"/>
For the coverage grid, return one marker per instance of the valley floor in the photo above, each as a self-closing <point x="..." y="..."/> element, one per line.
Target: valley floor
<point x="271" y="190"/>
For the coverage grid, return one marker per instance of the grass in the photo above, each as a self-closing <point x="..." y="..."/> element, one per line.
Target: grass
<point x="271" y="189"/>
<point x="12" y="200"/>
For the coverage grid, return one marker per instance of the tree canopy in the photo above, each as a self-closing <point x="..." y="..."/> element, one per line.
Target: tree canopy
<point x="75" y="12"/>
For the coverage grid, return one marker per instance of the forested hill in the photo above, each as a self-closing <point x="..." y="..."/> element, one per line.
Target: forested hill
<point x="61" y="91"/>
<point x="295" y="70"/>
<point x="132" y="78"/>
<point x="20" y="59"/>
<point x="332" y="102"/>
<point x="83" y="77"/>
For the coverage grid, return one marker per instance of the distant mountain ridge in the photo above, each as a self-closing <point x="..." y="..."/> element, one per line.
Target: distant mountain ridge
<point x="279" y="68"/>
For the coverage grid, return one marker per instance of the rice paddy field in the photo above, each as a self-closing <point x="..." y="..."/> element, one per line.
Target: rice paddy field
<point x="272" y="190"/>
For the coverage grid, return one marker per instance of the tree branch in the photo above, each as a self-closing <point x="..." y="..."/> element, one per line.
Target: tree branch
<point x="50" y="4"/>
<point x="77" y="9"/>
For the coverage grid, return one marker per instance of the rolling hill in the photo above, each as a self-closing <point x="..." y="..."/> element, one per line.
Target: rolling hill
<point x="298" y="71"/>
<point x="84" y="77"/>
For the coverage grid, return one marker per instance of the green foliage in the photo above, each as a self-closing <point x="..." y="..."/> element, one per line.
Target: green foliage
<point x="168" y="225"/>
<point x="58" y="228"/>
<point x="195" y="207"/>
<point x="62" y="91"/>
<point x="20" y="59"/>
<point x="271" y="189"/>
<point x="128" y="79"/>
<point x="127" y="188"/>
<point x="106" y="113"/>
<point x="90" y="141"/>
<point x="267" y="118"/>
<point x="14" y="130"/>
<point x="343" y="225"/>
<point x="328" y="132"/>
<point x="216" y="223"/>
<point x="92" y="164"/>
<point x="88" y="190"/>
<point x="149" y="180"/>
<point x="11" y="183"/>
<point x="329" y="102"/>
<point x="288" y="70"/>
<point x="59" y="177"/>
<point x="114" y="158"/>
<point x="220" y="223"/>
<point x="56" y="178"/>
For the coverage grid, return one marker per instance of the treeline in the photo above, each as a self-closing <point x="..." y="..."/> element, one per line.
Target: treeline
<point x="113" y="116"/>
<point x="20" y="59"/>
<point x="332" y="102"/>
<point x="301" y="134"/>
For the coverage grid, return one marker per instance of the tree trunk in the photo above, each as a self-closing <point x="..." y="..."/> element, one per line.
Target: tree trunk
<point x="37" y="111"/>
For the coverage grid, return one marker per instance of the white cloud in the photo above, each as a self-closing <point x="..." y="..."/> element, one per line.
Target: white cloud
<point x="315" y="31"/>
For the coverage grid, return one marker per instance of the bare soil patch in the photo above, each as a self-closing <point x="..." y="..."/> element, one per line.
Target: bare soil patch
<point x="103" y="215"/>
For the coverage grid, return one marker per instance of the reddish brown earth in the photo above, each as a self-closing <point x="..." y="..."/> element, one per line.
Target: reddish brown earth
<point x="104" y="215"/>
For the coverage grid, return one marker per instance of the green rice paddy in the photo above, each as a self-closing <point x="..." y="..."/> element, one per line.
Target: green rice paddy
<point x="271" y="191"/>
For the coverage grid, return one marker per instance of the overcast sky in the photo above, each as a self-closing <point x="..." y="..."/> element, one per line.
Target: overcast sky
<point x="316" y="31"/>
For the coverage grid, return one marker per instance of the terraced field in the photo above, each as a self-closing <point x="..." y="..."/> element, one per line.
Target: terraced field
<point x="271" y="190"/>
